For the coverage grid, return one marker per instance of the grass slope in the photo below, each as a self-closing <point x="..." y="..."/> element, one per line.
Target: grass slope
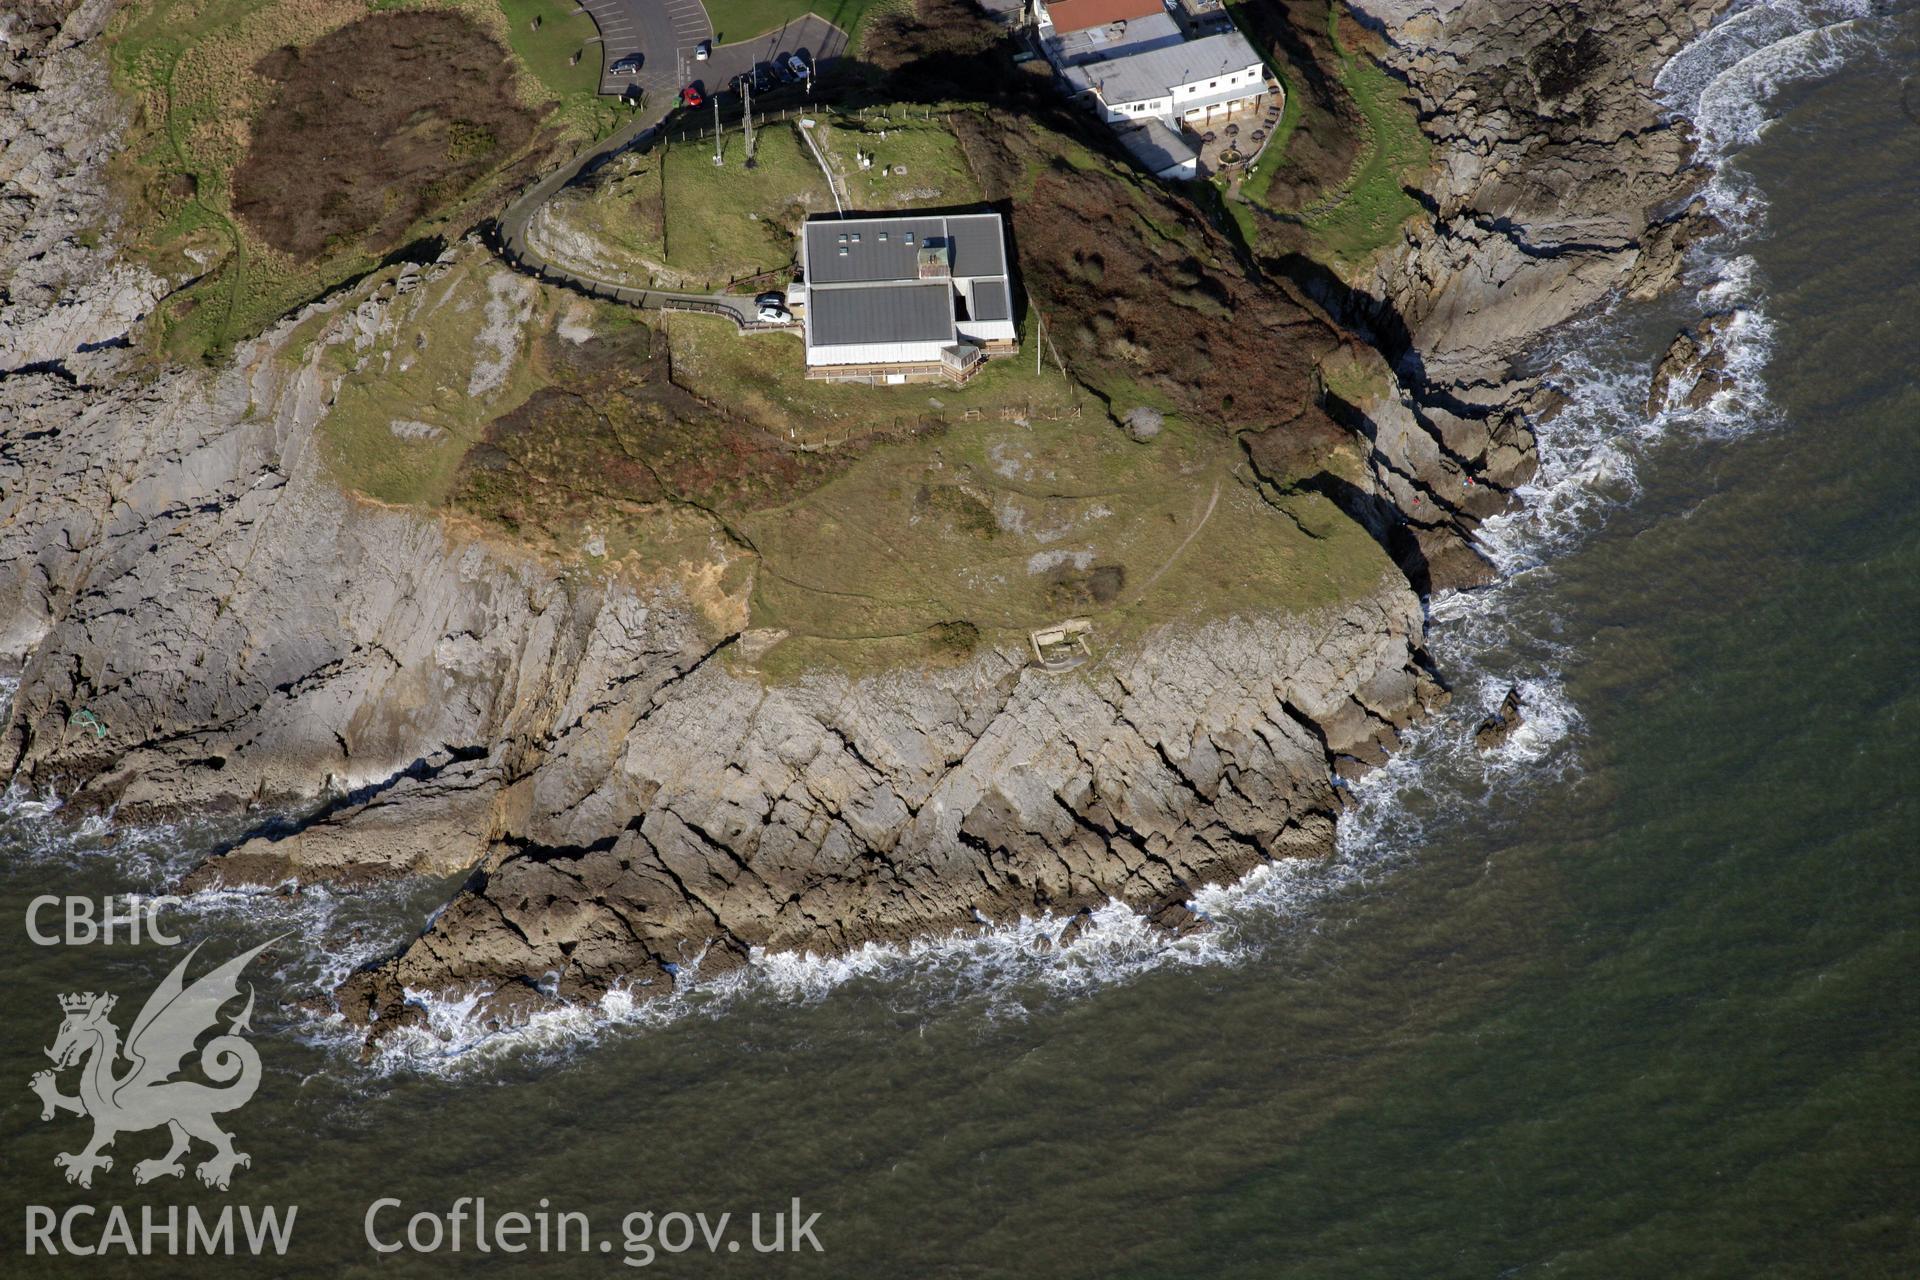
<point x="414" y="399"/>
<point x="711" y="226"/>
<point x="1353" y="219"/>
<point x="1363" y="217"/>
<point x="565" y="30"/>
<point x="761" y="376"/>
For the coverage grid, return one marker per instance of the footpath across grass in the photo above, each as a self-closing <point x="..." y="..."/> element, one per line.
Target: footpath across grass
<point x="670" y="217"/>
<point x="987" y="530"/>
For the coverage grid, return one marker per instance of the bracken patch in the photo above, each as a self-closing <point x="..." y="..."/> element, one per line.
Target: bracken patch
<point x="372" y="127"/>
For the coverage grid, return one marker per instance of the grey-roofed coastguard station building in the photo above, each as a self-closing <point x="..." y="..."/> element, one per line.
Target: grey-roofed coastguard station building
<point x="904" y="299"/>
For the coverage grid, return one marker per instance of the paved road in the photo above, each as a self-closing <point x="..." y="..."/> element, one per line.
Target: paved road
<point x="815" y="37"/>
<point x="662" y="31"/>
<point x="512" y="245"/>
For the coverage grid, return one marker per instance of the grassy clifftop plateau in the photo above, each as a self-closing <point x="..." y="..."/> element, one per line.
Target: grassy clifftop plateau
<point x="1103" y="473"/>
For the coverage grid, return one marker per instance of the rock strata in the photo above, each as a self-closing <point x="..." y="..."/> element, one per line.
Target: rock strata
<point x="1560" y="179"/>
<point x="68" y="306"/>
<point x="1694" y="368"/>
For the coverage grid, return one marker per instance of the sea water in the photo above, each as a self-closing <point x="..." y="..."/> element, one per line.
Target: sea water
<point x="1632" y="995"/>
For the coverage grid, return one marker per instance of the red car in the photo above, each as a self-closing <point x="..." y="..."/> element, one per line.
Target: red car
<point x="690" y="96"/>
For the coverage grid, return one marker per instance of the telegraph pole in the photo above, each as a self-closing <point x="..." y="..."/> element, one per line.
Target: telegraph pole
<point x="719" y="158"/>
<point x="746" y="97"/>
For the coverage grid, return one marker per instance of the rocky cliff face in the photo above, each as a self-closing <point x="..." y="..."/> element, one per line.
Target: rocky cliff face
<point x="181" y="568"/>
<point x="1560" y="181"/>
<point x="175" y="561"/>
<point x="66" y="301"/>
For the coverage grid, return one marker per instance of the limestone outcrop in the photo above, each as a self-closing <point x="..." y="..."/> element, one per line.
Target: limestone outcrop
<point x="1560" y="179"/>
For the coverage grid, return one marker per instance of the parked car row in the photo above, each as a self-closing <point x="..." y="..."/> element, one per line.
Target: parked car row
<point x="772" y="307"/>
<point x="765" y="77"/>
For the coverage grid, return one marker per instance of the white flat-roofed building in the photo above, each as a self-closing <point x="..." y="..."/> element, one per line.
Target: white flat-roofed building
<point x="905" y="299"/>
<point x="1191" y="83"/>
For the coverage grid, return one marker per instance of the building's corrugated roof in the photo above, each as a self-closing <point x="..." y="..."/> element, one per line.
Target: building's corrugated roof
<point x="990" y="301"/>
<point x="881" y="313"/>
<point x="869" y="257"/>
<point x="979" y="244"/>
<point x="1157" y="147"/>
<point x="1077" y="15"/>
<point x="1155" y="31"/>
<point x="1154" y="74"/>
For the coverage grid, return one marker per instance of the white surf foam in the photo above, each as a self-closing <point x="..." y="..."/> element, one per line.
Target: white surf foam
<point x="1006" y="972"/>
<point x="1724" y="82"/>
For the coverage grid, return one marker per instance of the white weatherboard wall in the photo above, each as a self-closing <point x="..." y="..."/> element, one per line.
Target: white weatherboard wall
<point x="988" y="330"/>
<point x="1219" y="93"/>
<point x="876" y="353"/>
<point x="1249" y="82"/>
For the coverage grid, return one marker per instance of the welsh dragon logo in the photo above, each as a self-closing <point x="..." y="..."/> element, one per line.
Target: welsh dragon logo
<point x="143" y="1095"/>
